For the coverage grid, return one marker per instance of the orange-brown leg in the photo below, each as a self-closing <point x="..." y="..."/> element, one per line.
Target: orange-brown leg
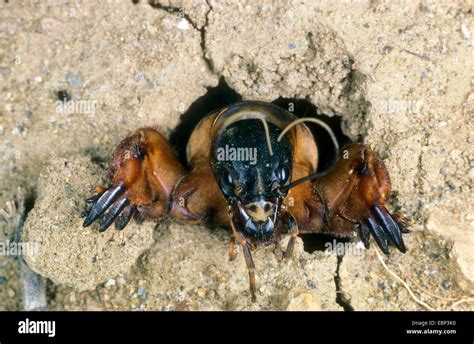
<point x="197" y="198"/>
<point x="231" y="250"/>
<point x="246" y="249"/>
<point x="354" y="195"/>
<point x="144" y="172"/>
<point x="289" y="223"/>
<point x="304" y="204"/>
<point x="293" y="230"/>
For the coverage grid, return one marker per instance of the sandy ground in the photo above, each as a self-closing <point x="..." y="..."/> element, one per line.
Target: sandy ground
<point x="399" y="74"/>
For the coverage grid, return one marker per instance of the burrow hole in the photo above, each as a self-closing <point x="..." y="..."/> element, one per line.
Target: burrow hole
<point x="222" y="95"/>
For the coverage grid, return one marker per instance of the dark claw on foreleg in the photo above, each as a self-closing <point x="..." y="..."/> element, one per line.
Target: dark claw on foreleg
<point x="124" y="217"/>
<point x="384" y="229"/>
<point x="355" y="191"/>
<point x="402" y="222"/>
<point x="111" y="214"/>
<point x="390" y="227"/>
<point x="102" y="203"/>
<point x="364" y="233"/>
<point x="378" y="234"/>
<point x="144" y="170"/>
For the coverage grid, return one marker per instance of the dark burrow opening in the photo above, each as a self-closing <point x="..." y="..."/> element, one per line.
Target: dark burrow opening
<point x="303" y="108"/>
<point x="222" y="95"/>
<point x="320" y="242"/>
<point x="215" y="98"/>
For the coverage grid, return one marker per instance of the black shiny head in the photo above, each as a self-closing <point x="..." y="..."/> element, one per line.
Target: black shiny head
<point x="251" y="166"/>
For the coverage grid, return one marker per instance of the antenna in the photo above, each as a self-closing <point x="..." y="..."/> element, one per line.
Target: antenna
<point x="316" y="174"/>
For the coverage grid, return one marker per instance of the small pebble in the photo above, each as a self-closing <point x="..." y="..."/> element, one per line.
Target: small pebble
<point x="74" y="79"/>
<point x="140" y="291"/>
<point x="110" y="282"/>
<point x="387" y="49"/>
<point x="139" y="75"/>
<point x="183" y="25"/>
<point x="201" y="293"/>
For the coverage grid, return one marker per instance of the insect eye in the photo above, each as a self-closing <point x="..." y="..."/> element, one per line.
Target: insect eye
<point x="284" y="174"/>
<point x="230" y="185"/>
<point x="228" y="179"/>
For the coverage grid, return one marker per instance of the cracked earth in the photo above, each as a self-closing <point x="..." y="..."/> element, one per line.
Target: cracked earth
<point x="399" y="77"/>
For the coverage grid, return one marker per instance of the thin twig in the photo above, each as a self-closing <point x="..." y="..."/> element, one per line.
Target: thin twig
<point x="465" y="300"/>
<point x="407" y="287"/>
